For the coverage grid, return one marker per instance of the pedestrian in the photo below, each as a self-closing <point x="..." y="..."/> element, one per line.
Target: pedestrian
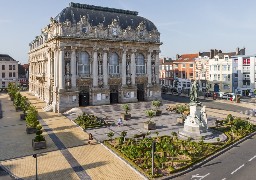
<point x="90" y="138"/>
<point x="119" y="122"/>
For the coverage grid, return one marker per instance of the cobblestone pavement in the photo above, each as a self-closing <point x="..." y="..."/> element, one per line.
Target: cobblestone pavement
<point x="68" y="155"/>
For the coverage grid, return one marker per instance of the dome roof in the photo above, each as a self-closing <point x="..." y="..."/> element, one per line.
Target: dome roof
<point x="104" y="15"/>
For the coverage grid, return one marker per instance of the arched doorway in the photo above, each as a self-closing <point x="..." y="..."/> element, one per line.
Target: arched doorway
<point x="84" y="98"/>
<point x="216" y="88"/>
<point x="113" y="94"/>
<point x="140" y="92"/>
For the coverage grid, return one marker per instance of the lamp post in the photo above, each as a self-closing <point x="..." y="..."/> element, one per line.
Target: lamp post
<point x="35" y="156"/>
<point x="153" y="151"/>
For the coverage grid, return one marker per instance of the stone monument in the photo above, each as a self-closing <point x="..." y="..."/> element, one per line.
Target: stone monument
<point x="195" y="125"/>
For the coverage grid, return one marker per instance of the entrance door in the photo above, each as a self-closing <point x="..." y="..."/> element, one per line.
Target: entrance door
<point x="216" y="88"/>
<point x="83" y="99"/>
<point x="140" y="92"/>
<point x="113" y="94"/>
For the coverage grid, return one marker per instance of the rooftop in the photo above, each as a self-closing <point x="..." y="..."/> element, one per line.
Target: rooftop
<point x="104" y="15"/>
<point x="6" y="57"/>
<point x="186" y="58"/>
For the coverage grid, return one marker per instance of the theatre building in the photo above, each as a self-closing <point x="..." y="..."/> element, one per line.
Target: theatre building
<point x="91" y="55"/>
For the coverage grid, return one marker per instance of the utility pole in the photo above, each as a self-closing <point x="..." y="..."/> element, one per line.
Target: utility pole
<point x="153" y="151"/>
<point x="35" y="156"/>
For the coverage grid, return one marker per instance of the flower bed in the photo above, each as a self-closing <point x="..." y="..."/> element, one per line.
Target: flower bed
<point x="173" y="154"/>
<point x="89" y="121"/>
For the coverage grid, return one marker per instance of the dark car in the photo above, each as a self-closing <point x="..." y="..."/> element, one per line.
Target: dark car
<point x="208" y="94"/>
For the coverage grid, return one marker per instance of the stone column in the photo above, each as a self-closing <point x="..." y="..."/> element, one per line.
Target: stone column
<point x="157" y="67"/>
<point x="56" y="70"/>
<point x="124" y="68"/>
<point x="105" y="67"/>
<point x="133" y="67"/>
<point x="61" y="69"/>
<point x="95" y="68"/>
<point x="73" y="67"/>
<point x="149" y="69"/>
<point x="48" y="67"/>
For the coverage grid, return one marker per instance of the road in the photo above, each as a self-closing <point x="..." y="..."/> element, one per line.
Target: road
<point x="209" y="102"/>
<point x="239" y="163"/>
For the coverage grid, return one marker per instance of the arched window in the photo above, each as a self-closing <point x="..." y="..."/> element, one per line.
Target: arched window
<point x="140" y="64"/>
<point x="84" y="64"/>
<point x="113" y="67"/>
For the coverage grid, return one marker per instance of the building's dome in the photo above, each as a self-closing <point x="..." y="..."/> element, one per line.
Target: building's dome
<point x="104" y="15"/>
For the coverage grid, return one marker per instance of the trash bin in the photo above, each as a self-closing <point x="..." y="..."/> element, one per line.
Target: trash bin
<point x="238" y="98"/>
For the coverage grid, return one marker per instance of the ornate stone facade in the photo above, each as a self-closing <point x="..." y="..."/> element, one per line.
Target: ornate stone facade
<point x="78" y="62"/>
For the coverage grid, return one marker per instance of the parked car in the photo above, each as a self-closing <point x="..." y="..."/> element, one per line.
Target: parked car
<point x="228" y="96"/>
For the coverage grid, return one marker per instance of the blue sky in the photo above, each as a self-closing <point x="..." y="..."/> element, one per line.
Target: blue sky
<point x="186" y="26"/>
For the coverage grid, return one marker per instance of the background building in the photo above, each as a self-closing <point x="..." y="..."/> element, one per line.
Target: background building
<point x="9" y="70"/>
<point x="166" y="74"/>
<point x="90" y="55"/>
<point x="222" y="70"/>
<point x="246" y="74"/>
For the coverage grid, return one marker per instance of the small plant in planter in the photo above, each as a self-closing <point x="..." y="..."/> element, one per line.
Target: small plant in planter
<point x="110" y="135"/>
<point x="150" y="125"/>
<point x="125" y="115"/>
<point x="12" y="90"/>
<point x="17" y="101"/>
<point x="31" y="120"/>
<point x="24" y="106"/>
<point x="39" y="141"/>
<point x="157" y="105"/>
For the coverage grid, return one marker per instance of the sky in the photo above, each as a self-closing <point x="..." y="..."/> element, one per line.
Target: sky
<point x="186" y="26"/>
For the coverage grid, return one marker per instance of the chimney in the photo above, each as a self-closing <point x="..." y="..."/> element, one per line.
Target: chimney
<point x="211" y="53"/>
<point x="242" y="51"/>
<point x="238" y="51"/>
<point x="177" y="56"/>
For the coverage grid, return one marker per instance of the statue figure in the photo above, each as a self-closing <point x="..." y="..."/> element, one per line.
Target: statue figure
<point x="193" y="93"/>
<point x="203" y="117"/>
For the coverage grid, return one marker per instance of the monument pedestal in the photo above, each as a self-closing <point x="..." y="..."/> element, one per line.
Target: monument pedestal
<point x="195" y="125"/>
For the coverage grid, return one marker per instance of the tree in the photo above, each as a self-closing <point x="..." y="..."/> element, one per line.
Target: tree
<point x="126" y="108"/>
<point x="150" y="113"/>
<point x="31" y="118"/>
<point x="110" y="135"/>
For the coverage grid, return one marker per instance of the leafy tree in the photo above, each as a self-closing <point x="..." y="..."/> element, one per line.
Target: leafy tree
<point x="110" y="135"/>
<point x="39" y="137"/>
<point x="126" y="108"/>
<point x="31" y="118"/>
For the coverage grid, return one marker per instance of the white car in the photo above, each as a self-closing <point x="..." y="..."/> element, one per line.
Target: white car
<point x="228" y="96"/>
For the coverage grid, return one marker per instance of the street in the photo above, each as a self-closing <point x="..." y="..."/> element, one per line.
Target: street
<point x="239" y="163"/>
<point x="209" y="102"/>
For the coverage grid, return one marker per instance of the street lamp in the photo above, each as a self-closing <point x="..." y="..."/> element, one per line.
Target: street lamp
<point x="35" y="156"/>
<point x="153" y="151"/>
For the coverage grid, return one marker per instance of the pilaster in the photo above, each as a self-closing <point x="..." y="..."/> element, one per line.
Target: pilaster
<point x="105" y="67"/>
<point x="95" y="67"/>
<point x="133" y="67"/>
<point x="73" y="67"/>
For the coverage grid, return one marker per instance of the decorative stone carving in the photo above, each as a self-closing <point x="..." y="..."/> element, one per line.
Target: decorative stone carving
<point x="141" y="80"/>
<point x="114" y="81"/>
<point x="84" y="82"/>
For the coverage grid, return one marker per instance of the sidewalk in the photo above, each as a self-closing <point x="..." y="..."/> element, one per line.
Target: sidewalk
<point x="67" y="155"/>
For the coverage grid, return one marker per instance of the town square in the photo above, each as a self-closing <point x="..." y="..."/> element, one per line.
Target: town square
<point x="99" y="95"/>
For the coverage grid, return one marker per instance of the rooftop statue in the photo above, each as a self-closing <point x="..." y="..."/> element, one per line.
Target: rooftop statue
<point x="193" y="93"/>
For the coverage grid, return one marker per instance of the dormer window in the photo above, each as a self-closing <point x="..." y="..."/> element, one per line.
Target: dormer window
<point x="84" y="29"/>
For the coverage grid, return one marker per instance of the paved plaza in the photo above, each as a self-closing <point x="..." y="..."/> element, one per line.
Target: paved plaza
<point x="68" y="153"/>
<point x="165" y="124"/>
